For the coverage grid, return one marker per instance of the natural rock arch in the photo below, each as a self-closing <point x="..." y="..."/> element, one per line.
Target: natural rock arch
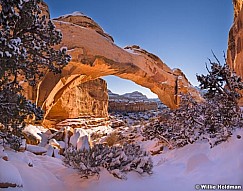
<point x="95" y="55"/>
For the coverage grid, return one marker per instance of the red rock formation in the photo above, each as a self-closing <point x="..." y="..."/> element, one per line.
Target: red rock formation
<point x="76" y="99"/>
<point x="130" y="102"/>
<point x="235" y="42"/>
<point x="95" y="55"/>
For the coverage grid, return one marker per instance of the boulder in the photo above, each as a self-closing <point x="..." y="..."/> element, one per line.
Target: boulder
<point x="33" y="133"/>
<point x="54" y="143"/>
<point x="50" y="150"/>
<point x="36" y="149"/>
<point x="23" y="145"/>
<point x="80" y="139"/>
<point x="67" y="135"/>
<point x="58" y="135"/>
<point x="3" y="155"/>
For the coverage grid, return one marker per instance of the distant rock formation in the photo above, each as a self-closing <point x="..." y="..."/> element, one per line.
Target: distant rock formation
<point x="130" y="102"/>
<point x="235" y="41"/>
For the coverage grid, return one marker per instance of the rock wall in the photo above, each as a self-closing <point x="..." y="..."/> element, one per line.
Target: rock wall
<point x="235" y="41"/>
<point x="77" y="99"/>
<point x="131" y="106"/>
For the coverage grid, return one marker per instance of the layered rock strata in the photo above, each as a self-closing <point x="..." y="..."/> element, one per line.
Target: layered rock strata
<point x="130" y="102"/>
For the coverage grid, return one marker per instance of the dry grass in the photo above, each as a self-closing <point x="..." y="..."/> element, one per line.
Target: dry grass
<point x="112" y="139"/>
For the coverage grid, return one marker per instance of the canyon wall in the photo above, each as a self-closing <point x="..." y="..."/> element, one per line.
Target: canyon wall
<point x="235" y="41"/>
<point x="76" y="99"/>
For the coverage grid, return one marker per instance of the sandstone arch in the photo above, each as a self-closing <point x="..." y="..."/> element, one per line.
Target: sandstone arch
<point x="94" y="55"/>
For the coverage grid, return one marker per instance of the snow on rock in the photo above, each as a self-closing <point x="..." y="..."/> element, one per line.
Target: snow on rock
<point x="54" y="143"/>
<point x="3" y="154"/>
<point x="75" y="13"/>
<point x="23" y="145"/>
<point x="56" y="154"/>
<point x="174" y="170"/>
<point x="80" y="139"/>
<point x="36" y="149"/>
<point x="33" y="134"/>
<point x="9" y="175"/>
<point x="50" y="150"/>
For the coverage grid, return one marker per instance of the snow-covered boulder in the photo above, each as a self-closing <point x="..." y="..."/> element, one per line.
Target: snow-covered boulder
<point x="50" y="150"/>
<point x="23" y="145"/>
<point x="54" y="143"/>
<point x="45" y="136"/>
<point x="36" y="149"/>
<point x="57" y="134"/>
<point x="55" y="147"/>
<point x="80" y="139"/>
<point x="3" y="155"/>
<point x="9" y="176"/>
<point x="32" y="134"/>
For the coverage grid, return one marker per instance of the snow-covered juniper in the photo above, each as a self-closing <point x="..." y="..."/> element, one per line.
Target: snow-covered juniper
<point x="221" y="112"/>
<point x="27" y="38"/>
<point x="214" y="119"/>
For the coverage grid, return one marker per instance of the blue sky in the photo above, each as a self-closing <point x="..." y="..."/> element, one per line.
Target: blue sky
<point x="181" y="32"/>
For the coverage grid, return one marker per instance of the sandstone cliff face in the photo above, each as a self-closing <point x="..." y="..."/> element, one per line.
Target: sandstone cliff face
<point x="76" y="99"/>
<point x="235" y="42"/>
<point x="95" y="55"/>
<point x="237" y="7"/>
<point x="130" y="102"/>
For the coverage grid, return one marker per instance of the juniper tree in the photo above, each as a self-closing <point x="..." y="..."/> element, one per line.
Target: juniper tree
<point x="213" y="120"/>
<point x="222" y="113"/>
<point x="27" y="40"/>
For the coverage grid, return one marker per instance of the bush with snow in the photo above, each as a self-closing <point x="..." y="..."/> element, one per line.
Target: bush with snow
<point x="116" y="159"/>
<point x="27" y="39"/>
<point x="214" y="119"/>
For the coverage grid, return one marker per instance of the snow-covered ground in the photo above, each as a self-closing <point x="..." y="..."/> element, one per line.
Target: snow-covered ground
<point x="174" y="170"/>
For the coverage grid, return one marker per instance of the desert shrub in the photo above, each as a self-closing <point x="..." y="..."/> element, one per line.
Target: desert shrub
<point x="213" y="120"/>
<point x="177" y="127"/>
<point x="112" y="138"/>
<point x="116" y="159"/>
<point x="27" y="40"/>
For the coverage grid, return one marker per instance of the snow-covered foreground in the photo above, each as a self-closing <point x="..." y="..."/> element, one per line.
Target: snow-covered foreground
<point x="174" y="170"/>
